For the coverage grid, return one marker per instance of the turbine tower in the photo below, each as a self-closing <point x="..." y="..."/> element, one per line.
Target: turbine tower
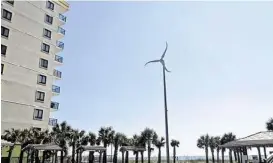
<point x="161" y="60"/>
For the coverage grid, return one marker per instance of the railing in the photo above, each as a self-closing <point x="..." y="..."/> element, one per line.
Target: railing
<point x="62" y="17"/>
<point x="56" y="89"/>
<point x="60" y="44"/>
<point x="59" y="59"/>
<point x="57" y="73"/>
<point x="54" y="105"/>
<point x="52" y="122"/>
<point x="61" y="30"/>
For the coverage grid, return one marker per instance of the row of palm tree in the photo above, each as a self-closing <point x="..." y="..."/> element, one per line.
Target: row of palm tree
<point x="212" y="143"/>
<point x="67" y="137"/>
<point x="207" y="142"/>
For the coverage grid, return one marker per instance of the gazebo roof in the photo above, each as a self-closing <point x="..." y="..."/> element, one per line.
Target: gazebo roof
<point x="92" y="148"/>
<point x="132" y="148"/>
<point x="43" y="147"/>
<point x="264" y="138"/>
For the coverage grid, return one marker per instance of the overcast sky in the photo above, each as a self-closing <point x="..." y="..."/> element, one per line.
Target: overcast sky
<point x="220" y="55"/>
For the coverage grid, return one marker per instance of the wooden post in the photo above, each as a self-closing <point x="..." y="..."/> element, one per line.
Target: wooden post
<point x="62" y="156"/>
<point x="265" y="152"/>
<point x="259" y="152"/>
<point x="43" y="159"/>
<point x="127" y="157"/>
<point x="122" y="157"/>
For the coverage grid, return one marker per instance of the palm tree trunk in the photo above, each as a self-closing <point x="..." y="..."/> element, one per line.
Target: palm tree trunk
<point x="104" y="156"/>
<point x="149" y="154"/>
<point x="136" y="159"/>
<point x="21" y="155"/>
<point x="10" y="153"/>
<point x="207" y="154"/>
<point x="73" y="153"/>
<point x="159" y="155"/>
<point x="223" y="155"/>
<point x="127" y="157"/>
<point x="77" y="157"/>
<point x="115" y="158"/>
<point x="230" y="156"/>
<point x="212" y="155"/>
<point x="174" y="154"/>
<point x="235" y="155"/>
<point x="142" y="159"/>
<point x="218" y="159"/>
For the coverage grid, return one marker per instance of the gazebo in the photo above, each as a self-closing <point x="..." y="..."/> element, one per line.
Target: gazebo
<point x="91" y="149"/>
<point x="134" y="149"/>
<point x="35" y="148"/>
<point x="258" y="140"/>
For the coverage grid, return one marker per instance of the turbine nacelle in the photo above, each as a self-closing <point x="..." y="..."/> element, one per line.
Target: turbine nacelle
<point x="161" y="60"/>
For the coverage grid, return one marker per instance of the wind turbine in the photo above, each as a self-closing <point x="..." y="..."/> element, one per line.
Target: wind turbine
<point x="161" y="60"/>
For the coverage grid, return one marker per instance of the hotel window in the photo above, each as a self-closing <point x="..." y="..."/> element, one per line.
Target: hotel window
<point x="47" y="33"/>
<point x="38" y="114"/>
<point x="41" y="79"/>
<point x="6" y="14"/>
<point x="4" y="31"/>
<point x="3" y="50"/>
<point x="2" y="68"/>
<point x="45" y="48"/>
<point x="40" y="96"/>
<point x="43" y="63"/>
<point x="49" y="19"/>
<point x="50" y="5"/>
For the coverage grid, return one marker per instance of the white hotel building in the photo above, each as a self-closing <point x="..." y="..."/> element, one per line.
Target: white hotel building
<point x="30" y="42"/>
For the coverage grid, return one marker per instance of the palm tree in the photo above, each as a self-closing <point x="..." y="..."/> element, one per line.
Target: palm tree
<point x="25" y="138"/>
<point x="174" y="144"/>
<point x="12" y="136"/>
<point x="227" y="137"/>
<point x="149" y="136"/>
<point x="106" y="135"/>
<point x="119" y="140"/>
<point x="92" y="141"/>
<point x="159" y="143"/>
<point x="203" y="143"/>
<point x="74" y="136"/>
<point x="60" y="134"/>
<point x="212" y="146"/>
<point x="269" y="124"/>
<point x="217" y="141"/>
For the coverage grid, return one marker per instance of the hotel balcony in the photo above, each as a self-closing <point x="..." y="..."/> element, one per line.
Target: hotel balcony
<point x="56" y="90"/>
<point x="57" y="74"/>
<point x="60" y="33"/>
<point x="60" y="46"/>
<point x="59" y="59"/>
<point x="54" y="106"/>
<point x="62" y="19"/>
<point x="52" y="122"/>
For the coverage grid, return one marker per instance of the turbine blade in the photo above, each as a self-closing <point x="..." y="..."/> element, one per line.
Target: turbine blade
<point x="164" y="66"/>
<point x="152" y="61"/>
<point x="163" y="55"/>
<point x="166" y="69"/>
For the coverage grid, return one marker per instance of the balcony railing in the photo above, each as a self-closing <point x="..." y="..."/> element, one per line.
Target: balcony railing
<point x="59" y="59"/>
<point x="61" y="30"/>
<point x="60" y="44"/>
<point x="52" y="122"/>
<point x="56" y="89"/>
<point x="54" y="105"/>
<point x="57" y="73"/>
<point x="62" y="17"/>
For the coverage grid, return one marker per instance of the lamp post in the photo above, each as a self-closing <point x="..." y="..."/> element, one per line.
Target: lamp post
<point x="165" y="100"/>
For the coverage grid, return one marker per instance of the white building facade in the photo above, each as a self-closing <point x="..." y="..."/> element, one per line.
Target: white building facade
<point x="31" y="33"/>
